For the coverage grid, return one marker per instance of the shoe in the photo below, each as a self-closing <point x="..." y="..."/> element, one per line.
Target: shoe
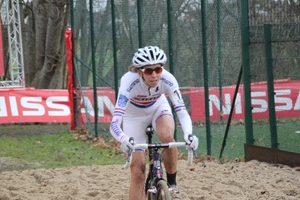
<point x="175" y="194"/>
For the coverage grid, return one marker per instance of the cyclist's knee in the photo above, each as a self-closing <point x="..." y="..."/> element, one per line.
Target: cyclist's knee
<point x="166" y="136"/>
<point x="165" y="130"/>
<point x="138" y="164"/>
<point x="138" y="173"/>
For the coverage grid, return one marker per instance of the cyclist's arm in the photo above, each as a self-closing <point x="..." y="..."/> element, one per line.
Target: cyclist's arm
<point x="119" y="110"/>
<point x="182" y="114"/>
<point x="115" y="127"/>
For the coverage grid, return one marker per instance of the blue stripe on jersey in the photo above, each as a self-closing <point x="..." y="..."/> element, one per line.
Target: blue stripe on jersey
<point x="119" y="112"/>
<point x="179" y="106"/>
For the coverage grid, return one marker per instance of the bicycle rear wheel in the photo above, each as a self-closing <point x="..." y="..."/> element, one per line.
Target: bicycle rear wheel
<point x="163" y="192"/>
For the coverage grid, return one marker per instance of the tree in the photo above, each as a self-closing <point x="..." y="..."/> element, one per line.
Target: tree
<point x="43" y="26"/>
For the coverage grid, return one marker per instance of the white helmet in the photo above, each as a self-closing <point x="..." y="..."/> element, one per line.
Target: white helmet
<point x="149" y="55"/>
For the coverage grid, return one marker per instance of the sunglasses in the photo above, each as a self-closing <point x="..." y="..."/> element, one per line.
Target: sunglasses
<point x="149" y="71"/>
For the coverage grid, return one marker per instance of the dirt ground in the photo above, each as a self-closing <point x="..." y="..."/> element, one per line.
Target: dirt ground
<point x="205" y="180"/>
<point x="208" y="180"/>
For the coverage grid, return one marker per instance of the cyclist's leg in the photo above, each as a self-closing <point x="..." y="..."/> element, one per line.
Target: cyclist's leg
<point x="164" y="125"/>
<point x="137" y="180"/>
<point x="135" y="123"/>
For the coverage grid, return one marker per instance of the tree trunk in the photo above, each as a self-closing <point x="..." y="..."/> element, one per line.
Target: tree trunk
<point x="49" y="25"/>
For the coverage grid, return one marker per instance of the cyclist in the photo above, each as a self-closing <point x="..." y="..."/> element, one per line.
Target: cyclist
<point x="142" y="102"/>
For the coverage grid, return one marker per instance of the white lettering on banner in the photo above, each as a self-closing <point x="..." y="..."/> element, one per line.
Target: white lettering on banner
<point x="102" y="101"/>
<point x="3" y="110"/>
<point x="39" y="109"/>
<point x="262" y="104"/>
<point x="87" y="105"/>
<point x="288" y="103"/>
<point x="62" y="110"/>
<point x="297" y="104"/>
<point x="14" y="106"/>
<point x="285" y="103"/>
<point x="33" y="106"/>
<point x="214" y="100"/>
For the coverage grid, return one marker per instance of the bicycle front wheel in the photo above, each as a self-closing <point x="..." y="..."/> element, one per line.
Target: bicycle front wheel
<point x="163" y="192"/>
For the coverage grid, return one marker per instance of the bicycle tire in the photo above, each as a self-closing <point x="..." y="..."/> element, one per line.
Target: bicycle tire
<point x="163" y="192"/>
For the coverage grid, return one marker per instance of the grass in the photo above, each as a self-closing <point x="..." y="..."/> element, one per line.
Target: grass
<point x="288" y="136"/>
<point x="56" y="150"/>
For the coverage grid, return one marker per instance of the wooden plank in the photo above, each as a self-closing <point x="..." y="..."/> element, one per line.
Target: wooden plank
<point x="270" y="155"/>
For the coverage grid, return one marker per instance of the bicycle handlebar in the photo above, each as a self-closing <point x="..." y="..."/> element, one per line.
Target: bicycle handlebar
<point x="191" y="152"/>
<point x="160" y="145"/>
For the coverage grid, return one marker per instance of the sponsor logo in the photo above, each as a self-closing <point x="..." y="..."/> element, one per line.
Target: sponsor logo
<point x="34" y="106"/>
<point x="147" y="99"/>
<point x="115" y="128"/>
<point x="122" y="100"/>
<point x="132" y="85"/>
<point x="169" y="83"/>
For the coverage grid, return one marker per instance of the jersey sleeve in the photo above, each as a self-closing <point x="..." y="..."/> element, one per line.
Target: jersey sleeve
<point x="119" y="110"/>
<point x="181" y="112"/>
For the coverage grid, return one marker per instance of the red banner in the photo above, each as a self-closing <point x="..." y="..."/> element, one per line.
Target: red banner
<point x="287" y="101"/>
<point x="1" y="51"/>
<point x="31" y="105"/>
<point x="106" y="104"/>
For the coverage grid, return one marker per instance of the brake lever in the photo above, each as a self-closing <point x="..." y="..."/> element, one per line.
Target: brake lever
<point x="128" y="159"/>
<point x="131" y="140"/>
<point x="190" y="138"/>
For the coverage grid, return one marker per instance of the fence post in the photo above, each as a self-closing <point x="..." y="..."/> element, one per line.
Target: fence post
<point x="170" y="40"/>
<point x="219" y="4"/>
<point x="205" y="74"/>
<point x="94" y="68"/>
<point x="139" y="19"/>
<point x="113" y="25"/>
<point x="246" y="70"/>
<point x="270" y="83"/>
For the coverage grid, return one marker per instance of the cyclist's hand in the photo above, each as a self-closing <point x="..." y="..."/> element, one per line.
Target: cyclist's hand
<point x="192" y="142"/>
<point x="127" y="145"/>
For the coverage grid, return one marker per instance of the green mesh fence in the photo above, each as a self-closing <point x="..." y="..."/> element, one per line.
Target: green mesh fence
<point x="106" y="37"/>
<point x="282" y="20"/>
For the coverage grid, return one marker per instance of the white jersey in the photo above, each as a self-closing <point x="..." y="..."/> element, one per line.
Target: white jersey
<point x="139" y="101"/>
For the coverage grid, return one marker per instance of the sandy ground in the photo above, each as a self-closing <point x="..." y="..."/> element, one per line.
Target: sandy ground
<point x="208" y="181"/>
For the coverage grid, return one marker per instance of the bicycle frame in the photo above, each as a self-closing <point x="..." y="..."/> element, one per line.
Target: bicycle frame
<point x="155" y="172"/>
<point x="155" y="184"/>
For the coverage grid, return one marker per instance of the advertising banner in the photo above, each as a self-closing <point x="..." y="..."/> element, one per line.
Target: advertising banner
<point x="287" y="101"/>
<point x="44" y="106"/>
<point x="106" y="103"/>
<point x="54" y="106"/>
<point x="30" y="105"/>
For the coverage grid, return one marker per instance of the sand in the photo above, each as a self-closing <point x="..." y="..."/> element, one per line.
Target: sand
<point x="208" y="181"/>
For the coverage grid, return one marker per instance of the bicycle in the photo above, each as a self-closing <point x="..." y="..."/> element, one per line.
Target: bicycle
<point x="156" y="187"/>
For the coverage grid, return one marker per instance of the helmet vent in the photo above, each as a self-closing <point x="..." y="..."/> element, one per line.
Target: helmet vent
<point x="149" y="55"/>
